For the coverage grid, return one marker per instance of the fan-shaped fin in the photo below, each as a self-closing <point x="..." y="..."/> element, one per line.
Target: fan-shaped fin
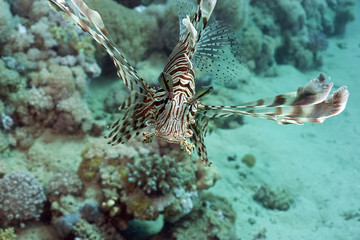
<point x="219" y="54"/>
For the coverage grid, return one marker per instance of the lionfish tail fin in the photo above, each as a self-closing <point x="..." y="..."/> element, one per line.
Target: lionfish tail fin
<point x="90" y="21"/>
<point x="309" y="104"/>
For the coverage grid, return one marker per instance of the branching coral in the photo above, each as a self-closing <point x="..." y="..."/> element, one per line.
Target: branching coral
<point x="155" y="174"/>
<point x="140" y="181"/>
<point x="145" y="188"/>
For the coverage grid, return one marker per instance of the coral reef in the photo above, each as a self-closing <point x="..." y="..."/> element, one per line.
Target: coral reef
<point x="143" y="181"/>
<point x="155" y="174"/>
<point x="21" y="199"/>
<point x="211" y="218"/>
<point x="44" y="88"/>
<point x="141" y="38"/>
<point x="292" y="32"/>
<point x="90" y="211"/>
<point x="64" y="183"/>
<point x="99" y="153"/>
<point x="233" y="12"/>
<point x="73" y="217"/>
<point x="7" y="234"/>
<point x="150" y="186"/>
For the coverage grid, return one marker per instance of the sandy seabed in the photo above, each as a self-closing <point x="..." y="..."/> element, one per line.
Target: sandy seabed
<point x="319" y="164"/>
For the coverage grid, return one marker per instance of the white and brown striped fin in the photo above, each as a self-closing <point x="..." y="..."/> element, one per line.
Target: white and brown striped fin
<point x="200" y="94"/>
<point x="315" y="91"/>
<point x="90" y="21"/>
<point x="167" y="83"/>
<point x="199" y="132"/>
<point x="133" y="98"/>
<point x="309" y="104"/>
<point x="131" y="124"/>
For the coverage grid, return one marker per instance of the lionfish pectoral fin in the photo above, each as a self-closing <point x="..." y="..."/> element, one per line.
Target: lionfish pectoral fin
<point x="199" y="131"/>
<point x="309" y="104"/>
<point x="128" y="126"/>
<point x="166" y="82"/>
<point x="133" y="98"/>
<point x="90" y="21"/>
<point x="54" y="6"/>
<point x="200" y="94"/>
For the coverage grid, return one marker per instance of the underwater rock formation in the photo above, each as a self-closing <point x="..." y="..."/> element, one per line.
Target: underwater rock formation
<point x="131" y="181"/>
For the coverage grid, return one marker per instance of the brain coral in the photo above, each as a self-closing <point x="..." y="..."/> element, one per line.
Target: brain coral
<point x="21" y="199"/>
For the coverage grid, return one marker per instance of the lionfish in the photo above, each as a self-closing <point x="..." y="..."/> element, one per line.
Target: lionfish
<point x="173" y="111"/>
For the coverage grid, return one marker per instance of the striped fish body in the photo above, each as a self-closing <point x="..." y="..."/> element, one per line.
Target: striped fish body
<point x="174" y="114"/>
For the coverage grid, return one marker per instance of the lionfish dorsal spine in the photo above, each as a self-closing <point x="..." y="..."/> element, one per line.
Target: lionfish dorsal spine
<point x="90" y="21"/>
